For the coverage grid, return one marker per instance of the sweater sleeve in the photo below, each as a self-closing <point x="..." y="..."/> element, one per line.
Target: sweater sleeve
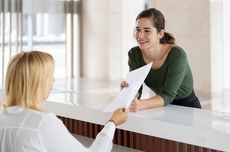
<point x="177" y="66"/>
<point x="55" y="137"/>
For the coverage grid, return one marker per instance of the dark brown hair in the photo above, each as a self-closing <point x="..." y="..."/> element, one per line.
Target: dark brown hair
<point x="158" y="22"/>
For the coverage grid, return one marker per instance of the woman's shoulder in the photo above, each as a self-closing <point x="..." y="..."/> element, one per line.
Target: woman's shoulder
<point x="134" y="50"/>
<point x="135" y="53"/>
<point x="177" y="51"/>
<point x="41" y="115"/>
<point x="176" y="54"/>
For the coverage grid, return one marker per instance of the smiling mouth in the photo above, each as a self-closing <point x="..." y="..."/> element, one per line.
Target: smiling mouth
<point x="142" y="42"/>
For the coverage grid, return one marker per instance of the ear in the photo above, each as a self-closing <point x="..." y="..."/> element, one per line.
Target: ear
<point x="161" y="33"/>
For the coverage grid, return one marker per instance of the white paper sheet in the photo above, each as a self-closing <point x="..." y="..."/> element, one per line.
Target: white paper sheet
<point x="134" y="79"/>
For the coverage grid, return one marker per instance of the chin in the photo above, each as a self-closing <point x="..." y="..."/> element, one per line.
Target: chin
<point x="142" y="47"/>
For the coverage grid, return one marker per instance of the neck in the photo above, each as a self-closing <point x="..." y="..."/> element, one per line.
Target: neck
<point x="157" y="53"/>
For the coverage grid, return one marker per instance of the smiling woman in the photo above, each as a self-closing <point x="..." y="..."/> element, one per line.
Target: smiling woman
<point x="170" y="77"/>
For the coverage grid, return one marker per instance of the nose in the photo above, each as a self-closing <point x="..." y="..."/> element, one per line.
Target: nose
<point x="141" y="34"/>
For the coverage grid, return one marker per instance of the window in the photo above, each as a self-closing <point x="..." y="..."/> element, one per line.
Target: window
<point x="46" y="25"/>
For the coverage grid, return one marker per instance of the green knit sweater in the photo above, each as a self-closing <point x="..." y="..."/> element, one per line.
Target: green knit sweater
<point x="173" y="80"/>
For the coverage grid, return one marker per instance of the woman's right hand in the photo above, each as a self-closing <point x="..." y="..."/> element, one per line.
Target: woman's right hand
<point x="119" y="116"/>
<point x="123" y="84"/>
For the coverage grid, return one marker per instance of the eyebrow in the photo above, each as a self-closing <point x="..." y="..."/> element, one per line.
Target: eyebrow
<point x="146" y="28"/>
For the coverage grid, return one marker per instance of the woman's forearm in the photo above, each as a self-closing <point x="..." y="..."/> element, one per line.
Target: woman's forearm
<point x="153" y="102"/>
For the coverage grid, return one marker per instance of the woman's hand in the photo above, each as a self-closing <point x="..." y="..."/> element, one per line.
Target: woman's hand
<point x="123" y="85"/>
<point x="119" y="116"/>
<point x="135" y="105"/>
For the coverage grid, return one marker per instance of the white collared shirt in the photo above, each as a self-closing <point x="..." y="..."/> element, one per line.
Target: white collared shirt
<point x="25" y="130"/>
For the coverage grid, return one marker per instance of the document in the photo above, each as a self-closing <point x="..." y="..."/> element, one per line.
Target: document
<point x="134" y="79"/>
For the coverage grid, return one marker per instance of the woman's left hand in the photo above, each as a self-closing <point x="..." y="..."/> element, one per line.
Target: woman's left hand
<point x="135" y="105"/>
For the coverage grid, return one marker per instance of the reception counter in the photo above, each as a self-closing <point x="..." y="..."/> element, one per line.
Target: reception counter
<point x="171" y="128"/>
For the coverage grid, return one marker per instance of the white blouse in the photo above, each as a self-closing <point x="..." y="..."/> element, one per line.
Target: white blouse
<point x="25" y="130"/>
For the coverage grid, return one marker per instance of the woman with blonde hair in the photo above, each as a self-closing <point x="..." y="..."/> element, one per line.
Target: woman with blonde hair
<point x="25" y="126"/>
<point x="29" y="79"/>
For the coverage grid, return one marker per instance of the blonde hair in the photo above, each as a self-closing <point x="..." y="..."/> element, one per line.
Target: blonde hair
<point x="28" y="76"/>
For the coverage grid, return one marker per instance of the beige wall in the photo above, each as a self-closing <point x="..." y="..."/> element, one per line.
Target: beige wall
<point x="107" y="36"/>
